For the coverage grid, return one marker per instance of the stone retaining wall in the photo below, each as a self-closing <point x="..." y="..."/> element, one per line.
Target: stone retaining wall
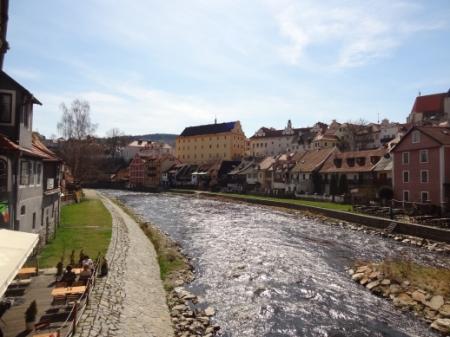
<point x="427" y="232"/>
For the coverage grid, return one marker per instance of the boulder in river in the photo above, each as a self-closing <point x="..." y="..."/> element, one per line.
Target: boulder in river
<point x="445" y="310"/>
<point x="441" y="324"/>
<point x="419" y="296"/>
<point x="210" y="311"/>
<point x="373" y="284"/>
<point x="436" y="302"/>
<point x="357" y="276"/>
<point x="404" y="300"/>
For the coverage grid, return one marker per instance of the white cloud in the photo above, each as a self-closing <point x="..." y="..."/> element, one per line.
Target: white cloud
<point x="349" y="34"/>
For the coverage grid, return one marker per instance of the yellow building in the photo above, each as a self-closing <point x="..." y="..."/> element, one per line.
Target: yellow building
<point x="205" y="143"/>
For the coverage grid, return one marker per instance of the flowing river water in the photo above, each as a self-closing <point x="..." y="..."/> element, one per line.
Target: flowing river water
<point x="274" y="273"/>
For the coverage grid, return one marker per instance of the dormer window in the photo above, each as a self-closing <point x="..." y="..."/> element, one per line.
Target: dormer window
<point x="6" y="107"/>
<point x="351" y="162"/>
<point x="361" y="161"/>
<point x="337" y="162"/>
<point x="374" y="159"/>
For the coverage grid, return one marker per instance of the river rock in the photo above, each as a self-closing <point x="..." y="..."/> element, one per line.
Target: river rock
<point x="404" y="300"/>
<point x="351" y="271"/>
<point x="386" y="282"/>
<point x="363" y="269"/>
<point x="364" y="281"/>
<point x="357" y="277"/>
<point x="441" y="324"/>
<point x="210" y="311"/>
<point x="419" y="296"/>
<point x="429" y="314"/>
<point x="395" y="288"/>
<point x="445" y="310"/>
<point x="435" y="302"/>
<point x="374" y="275"/>
<point x="373" y="284"/>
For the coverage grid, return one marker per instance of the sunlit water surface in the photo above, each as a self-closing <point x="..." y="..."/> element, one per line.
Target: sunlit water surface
<point x="271" y="273"/>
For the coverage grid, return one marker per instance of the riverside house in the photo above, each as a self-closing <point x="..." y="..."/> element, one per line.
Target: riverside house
<point x="352" y="172"/>
<point x="303" y="177"/>
<point x="422" y="166"/>
<point x="29" y="172"/>
<point x="146" y="172"/>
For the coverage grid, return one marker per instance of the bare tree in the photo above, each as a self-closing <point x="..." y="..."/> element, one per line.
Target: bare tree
<point x="114" y="140"/>
<point x="80" y="150"/>
<point x="76" y="121"/>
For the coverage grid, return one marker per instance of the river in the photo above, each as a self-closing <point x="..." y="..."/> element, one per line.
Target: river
<point x="274" y="273"/>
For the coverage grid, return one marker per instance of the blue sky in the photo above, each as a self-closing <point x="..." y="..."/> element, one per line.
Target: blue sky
<point x="157" y="66"/>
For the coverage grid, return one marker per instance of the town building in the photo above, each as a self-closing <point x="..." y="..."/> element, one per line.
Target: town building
<point x="212" y="142"/>
<point x="352" y="172"/>
<point x="146" y="172"/>
<point x="430" y="109"/>
<point x="303" y="177"/>
<point x="29" y="172"/>
<point x="422" y="166"/>
<point x="281" y="171"/>
<point x="272" y="142"/>
<point x="146" y="148"/>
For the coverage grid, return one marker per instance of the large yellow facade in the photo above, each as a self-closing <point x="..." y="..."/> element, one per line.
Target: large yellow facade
<point x="206" y="143"/>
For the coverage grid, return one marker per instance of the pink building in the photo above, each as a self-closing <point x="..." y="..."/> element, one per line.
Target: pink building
<point x="421" y="170"/>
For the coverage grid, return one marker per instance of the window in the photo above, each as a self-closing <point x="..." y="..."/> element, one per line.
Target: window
<point x="32" y="169"/>
<point x="424" y="156"/>
<point x="405" y="158"/>
<point x="6" y="108"/>
<point x="34" y="220"/>
<point x="424" y="196"/>
<point x="406" y="176"/>
<point x="26" y="115"/>
<point x="3" y="175"/>
<point x="22" y="210"/>
<point x="415" y="137"/>
<point x="25" y="170"/>
<point x="405" y="195"/>
<point x="423" y="176"/>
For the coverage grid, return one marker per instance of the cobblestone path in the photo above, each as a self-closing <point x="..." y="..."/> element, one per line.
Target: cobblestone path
<point x="131" y="300"/>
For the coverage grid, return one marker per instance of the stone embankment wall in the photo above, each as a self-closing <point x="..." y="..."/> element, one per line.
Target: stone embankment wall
<point x="427" y="232"/>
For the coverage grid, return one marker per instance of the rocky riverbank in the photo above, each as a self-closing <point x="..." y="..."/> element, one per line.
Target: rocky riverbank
<point x="387" y="280"/>
<point x="189" y="316"/>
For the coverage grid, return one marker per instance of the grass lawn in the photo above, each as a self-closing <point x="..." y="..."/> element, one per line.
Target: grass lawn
<point x="322" y="204"/>
<point x="86" y="226"/>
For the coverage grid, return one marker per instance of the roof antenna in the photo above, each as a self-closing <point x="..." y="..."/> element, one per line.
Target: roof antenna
<point x="215" y="119"/>
<point x="378" y="118"/>
<point x="420" y="94"/>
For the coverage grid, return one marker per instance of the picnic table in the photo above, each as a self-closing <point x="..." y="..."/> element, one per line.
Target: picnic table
<point x="27" y="271"/>
<point x="68" y="290"/>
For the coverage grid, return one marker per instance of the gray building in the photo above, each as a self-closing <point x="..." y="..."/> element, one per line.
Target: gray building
<point x="29" y="172"/>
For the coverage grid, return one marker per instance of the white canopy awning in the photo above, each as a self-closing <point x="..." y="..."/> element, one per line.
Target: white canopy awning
<point x="15" y="247"/>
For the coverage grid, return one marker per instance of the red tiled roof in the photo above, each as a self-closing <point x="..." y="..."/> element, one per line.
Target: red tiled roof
<point x="438" y="133"/>
<point x="364" y="164"/>
<point x="429" y="103"/>
<point x="312" y="160"/>
<point x="37" y="150"/>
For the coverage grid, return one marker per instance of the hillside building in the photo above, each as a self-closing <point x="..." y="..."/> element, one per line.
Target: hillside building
<point x="212" y="142"/>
